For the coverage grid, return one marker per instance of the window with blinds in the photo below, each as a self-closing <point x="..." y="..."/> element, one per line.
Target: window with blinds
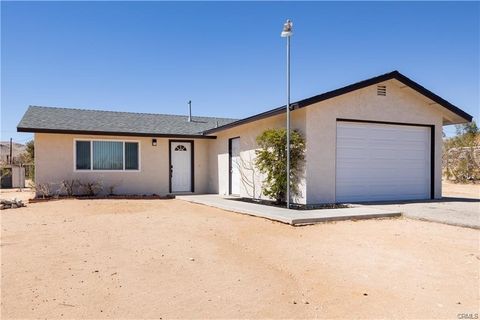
<point x="106" y="155"/>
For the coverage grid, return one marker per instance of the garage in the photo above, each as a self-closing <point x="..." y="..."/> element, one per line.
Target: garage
<point x="382" y="161"/>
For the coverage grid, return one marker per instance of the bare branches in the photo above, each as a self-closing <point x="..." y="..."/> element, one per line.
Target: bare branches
<point x="249" y="175"/>
<point x="68" y="186"/>
<point x="91" y="188"/>
<point x="43" y="189"/>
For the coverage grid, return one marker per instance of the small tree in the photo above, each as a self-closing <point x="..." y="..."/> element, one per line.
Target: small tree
<point x="461" y="157"/>
<point x="30" y="149"/>
<point x="272" y="161"/>
<point x="28" y="158"/>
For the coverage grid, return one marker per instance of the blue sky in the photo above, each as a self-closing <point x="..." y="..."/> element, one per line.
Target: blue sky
<point x="228" y="58"/>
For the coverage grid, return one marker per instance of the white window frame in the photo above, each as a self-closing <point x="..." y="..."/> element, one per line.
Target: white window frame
<point x="91" y="155"/>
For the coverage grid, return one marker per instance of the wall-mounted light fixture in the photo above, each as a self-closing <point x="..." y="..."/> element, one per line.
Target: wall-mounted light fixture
<point x="154" y="142"/>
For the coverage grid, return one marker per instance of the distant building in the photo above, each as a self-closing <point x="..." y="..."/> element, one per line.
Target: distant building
<point x="17" y="150"/>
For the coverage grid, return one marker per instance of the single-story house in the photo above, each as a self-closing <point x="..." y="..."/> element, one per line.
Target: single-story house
<point x="378" y="139"/>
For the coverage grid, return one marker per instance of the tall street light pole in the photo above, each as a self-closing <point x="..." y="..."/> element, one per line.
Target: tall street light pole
<point x="287" y="33"/>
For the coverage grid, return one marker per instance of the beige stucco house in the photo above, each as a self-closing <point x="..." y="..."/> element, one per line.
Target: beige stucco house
<point x="378" y="139"/>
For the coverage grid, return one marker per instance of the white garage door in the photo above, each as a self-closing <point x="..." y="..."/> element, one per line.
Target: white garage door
<point x="378" y="162"/>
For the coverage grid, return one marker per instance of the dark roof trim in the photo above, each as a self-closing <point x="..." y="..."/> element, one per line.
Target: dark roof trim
<point x="111" y="133"/>
<point x="356" y="86"/>
<point x="429" y="94"/>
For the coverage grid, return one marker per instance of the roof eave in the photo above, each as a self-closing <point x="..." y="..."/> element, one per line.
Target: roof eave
<point x="356" y="86"/>
<point x="114" y="133"/>
<point x="432" y="96"/>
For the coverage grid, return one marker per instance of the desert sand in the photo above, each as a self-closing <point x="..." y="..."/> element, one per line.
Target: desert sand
<point x="450" y="189"/>
<point x="171" y="259"/>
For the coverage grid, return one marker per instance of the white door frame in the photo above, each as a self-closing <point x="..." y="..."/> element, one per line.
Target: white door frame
<point x="171" y="168"/>
<point x="230" y="167"/>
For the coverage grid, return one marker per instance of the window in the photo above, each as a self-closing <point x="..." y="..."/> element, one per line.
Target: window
<point x="180" y="147"/>
<point x="106" y="155"/>
<point x="83" y="155"/>
<point x="131" y="156"/>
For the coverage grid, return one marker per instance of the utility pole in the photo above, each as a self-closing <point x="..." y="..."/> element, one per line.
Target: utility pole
<point x="10" y="150"/>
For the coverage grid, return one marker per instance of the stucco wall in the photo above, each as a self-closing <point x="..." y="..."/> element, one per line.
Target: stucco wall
<point x="251" y="180"/>
<point x="318" y="123"/>
<point x="54" y="161"/>
<point x="54" y="152"/>
<point x="399" y="105"/>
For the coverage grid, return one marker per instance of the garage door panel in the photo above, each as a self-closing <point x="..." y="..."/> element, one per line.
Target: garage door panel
<point x="394" y="177"/>
<point x="378" y="180"/>
<point x="352" y="153"/>
<point x="382" y="162"/>
<point x="382" y="190"/>
<point x="399" y="148"/>
<point x="350" y="144"/>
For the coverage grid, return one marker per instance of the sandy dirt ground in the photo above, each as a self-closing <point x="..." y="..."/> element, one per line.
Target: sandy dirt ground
<point x="461" y="190"/>
<point x="172" y="259"/>
<point x="19" y="194"/>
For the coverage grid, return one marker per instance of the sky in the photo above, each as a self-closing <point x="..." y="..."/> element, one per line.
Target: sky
<point x="227" y="57"/>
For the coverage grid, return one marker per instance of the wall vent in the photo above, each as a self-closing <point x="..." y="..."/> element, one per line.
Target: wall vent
<point x="381" y="90"/>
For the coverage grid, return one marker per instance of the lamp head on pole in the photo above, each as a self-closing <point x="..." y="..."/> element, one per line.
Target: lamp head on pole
<point x="287" y="29"/>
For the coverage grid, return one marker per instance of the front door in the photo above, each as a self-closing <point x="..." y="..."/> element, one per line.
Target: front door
<point x="234" y="166"/>
<point x="181" y="166"/>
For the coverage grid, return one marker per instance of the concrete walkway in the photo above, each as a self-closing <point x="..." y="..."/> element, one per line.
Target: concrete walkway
<point x="290" y="216"/>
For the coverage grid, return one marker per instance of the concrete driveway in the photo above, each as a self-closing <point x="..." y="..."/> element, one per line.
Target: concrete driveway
<point x="460" y="206"/>
<point x="461" y="212"/>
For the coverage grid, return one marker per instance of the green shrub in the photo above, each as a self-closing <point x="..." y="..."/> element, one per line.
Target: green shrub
<point x="271" y="160"/>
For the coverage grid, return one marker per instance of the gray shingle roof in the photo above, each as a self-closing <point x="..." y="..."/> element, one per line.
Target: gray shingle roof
<point x="53" y="119"/>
